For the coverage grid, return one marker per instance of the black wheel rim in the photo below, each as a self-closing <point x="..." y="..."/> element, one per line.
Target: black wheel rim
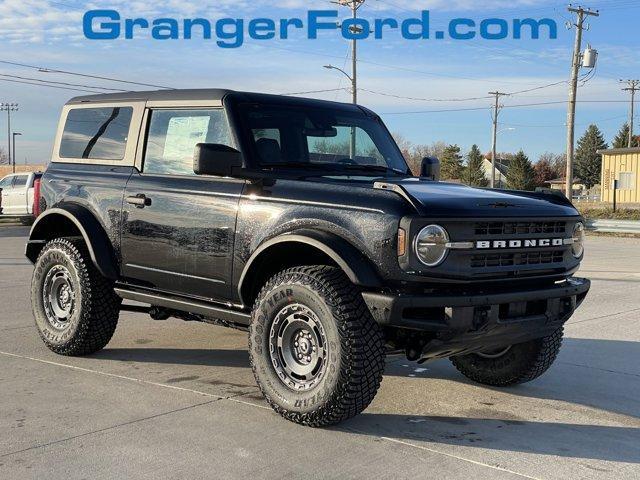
<point x="298" y="347"/>
<point x="58" y="297"/>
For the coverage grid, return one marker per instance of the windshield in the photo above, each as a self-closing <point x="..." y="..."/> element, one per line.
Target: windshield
<point x="320" y="139"/>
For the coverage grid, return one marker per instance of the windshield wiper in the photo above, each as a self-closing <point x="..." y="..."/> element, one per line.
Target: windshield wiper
<point x="334" y="167"/>
<point x="375" y="168"/>
<point x="307" y="165"/>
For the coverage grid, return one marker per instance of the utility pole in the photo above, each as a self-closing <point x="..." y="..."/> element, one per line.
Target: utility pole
<point x="354" y="5"/>
<point x="496" y="111"/>
<point x="9" y="107"/>
<point x="14" y="135"/>
<point x="581" y="13"/>
<point x="632" y="86"/>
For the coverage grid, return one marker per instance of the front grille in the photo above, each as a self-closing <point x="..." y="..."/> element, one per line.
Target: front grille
<point x="517" y="259"/>
<point x="519" y="228"/>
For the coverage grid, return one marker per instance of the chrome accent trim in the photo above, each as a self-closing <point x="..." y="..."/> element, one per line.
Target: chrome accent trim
<point x="459" y="245"/>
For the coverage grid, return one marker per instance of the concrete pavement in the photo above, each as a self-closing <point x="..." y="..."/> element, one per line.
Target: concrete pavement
<point x="178" y="400"/>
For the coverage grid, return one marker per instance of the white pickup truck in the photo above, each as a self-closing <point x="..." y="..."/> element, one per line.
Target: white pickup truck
<point x="18" y="193"/>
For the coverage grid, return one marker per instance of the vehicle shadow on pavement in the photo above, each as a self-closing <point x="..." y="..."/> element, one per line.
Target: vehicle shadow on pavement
<point x="616" y="444"/>
<point x="599" y="374"/>
<point x="176" y="356"/>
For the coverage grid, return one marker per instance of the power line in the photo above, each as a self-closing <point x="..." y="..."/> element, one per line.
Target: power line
<point x="314" y="91"/>
<point x="392" y="95"/>
<point x="504" y="106"/>
<point x="65" y="72"/>
<point x="564" y="124"/>
<point x="24" y="82"/>
<point x="61" y="83"/>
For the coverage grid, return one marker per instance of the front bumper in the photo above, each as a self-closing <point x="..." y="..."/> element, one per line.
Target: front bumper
<point x="470" y="322"/>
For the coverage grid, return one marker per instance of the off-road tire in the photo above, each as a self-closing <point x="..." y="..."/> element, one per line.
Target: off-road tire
<point x="94" y="317"/>
<point x="355" y="360"/>
<point x="522" y="363"/>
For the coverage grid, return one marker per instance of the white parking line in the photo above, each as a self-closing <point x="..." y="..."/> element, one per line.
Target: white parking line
<point x="112" y="375"/>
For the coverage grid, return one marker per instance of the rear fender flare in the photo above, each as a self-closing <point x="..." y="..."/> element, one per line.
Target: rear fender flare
<point x="94" y="235"/>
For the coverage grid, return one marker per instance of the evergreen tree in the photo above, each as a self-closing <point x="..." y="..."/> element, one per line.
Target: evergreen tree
<point x="521" y="175"/>
<point x="451" y="167"/>
<point x="474" y="175"/>
<point x="588" y="163"/>
<point x="622" y="138"/>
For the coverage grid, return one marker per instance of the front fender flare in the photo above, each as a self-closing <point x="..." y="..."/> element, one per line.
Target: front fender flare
<point x="351" y="261"/>
<point x="94" y="235"/>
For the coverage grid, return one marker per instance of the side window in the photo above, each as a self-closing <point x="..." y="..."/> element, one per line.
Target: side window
<point x="20" y="181"/>
<point x="173" y="135"/>
<point x="96" y="133"/>
<point x="627" y="181"/>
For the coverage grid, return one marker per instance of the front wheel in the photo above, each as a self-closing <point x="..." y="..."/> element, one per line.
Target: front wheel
<point x="316" y="352"/>
<point x="75" y="308"/>
<point x="511" y="365"/>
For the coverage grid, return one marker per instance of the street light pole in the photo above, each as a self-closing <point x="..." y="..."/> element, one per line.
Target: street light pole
<point x="352" y="146"/>
<point x="15" y="134"/>
<point x="9" y="107"/>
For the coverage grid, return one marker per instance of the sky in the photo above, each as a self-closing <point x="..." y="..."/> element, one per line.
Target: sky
<point x="429" y="74"/>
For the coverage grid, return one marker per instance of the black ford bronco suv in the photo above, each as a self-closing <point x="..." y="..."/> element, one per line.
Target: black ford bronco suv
<point x="298" y="221"/>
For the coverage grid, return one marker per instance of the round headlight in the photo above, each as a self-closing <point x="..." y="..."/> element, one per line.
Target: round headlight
<point x="577" y="247"/>
<point x="431" y="245"/>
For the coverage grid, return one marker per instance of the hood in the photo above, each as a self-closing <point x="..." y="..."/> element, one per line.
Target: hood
<point x="439" y="199"/>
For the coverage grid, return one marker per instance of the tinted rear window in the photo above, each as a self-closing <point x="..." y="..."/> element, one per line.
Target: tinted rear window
<point x="96" y="133"/>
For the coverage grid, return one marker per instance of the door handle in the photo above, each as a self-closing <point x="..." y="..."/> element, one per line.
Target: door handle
<point x="140" y="200"/>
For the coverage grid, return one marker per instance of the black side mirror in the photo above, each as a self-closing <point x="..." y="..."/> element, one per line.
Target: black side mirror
<point x="216" y="159"/>
<point x="430" y="168"/>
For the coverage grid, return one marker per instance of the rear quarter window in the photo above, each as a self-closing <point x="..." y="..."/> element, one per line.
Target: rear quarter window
<point x="96" y="133"/>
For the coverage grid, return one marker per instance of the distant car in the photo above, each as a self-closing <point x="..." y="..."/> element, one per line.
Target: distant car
<point x="18" y="196"/>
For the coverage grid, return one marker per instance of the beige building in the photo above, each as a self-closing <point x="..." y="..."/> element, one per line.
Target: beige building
<point x="623" y="165"/>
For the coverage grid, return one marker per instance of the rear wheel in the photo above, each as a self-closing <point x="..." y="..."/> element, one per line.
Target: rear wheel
<point x="75" y="308"/>
<point x="316" y="352"/>
<point x="513" y="364"/>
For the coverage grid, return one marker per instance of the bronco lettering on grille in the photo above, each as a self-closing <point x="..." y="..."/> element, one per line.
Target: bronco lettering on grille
<point x="530" y="243"/>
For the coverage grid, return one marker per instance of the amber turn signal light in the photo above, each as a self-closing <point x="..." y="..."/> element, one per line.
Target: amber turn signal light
<point x="402" y="243"/>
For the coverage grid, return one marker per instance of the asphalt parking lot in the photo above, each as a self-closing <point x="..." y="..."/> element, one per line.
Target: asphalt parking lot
<point x="178" y="400"/>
